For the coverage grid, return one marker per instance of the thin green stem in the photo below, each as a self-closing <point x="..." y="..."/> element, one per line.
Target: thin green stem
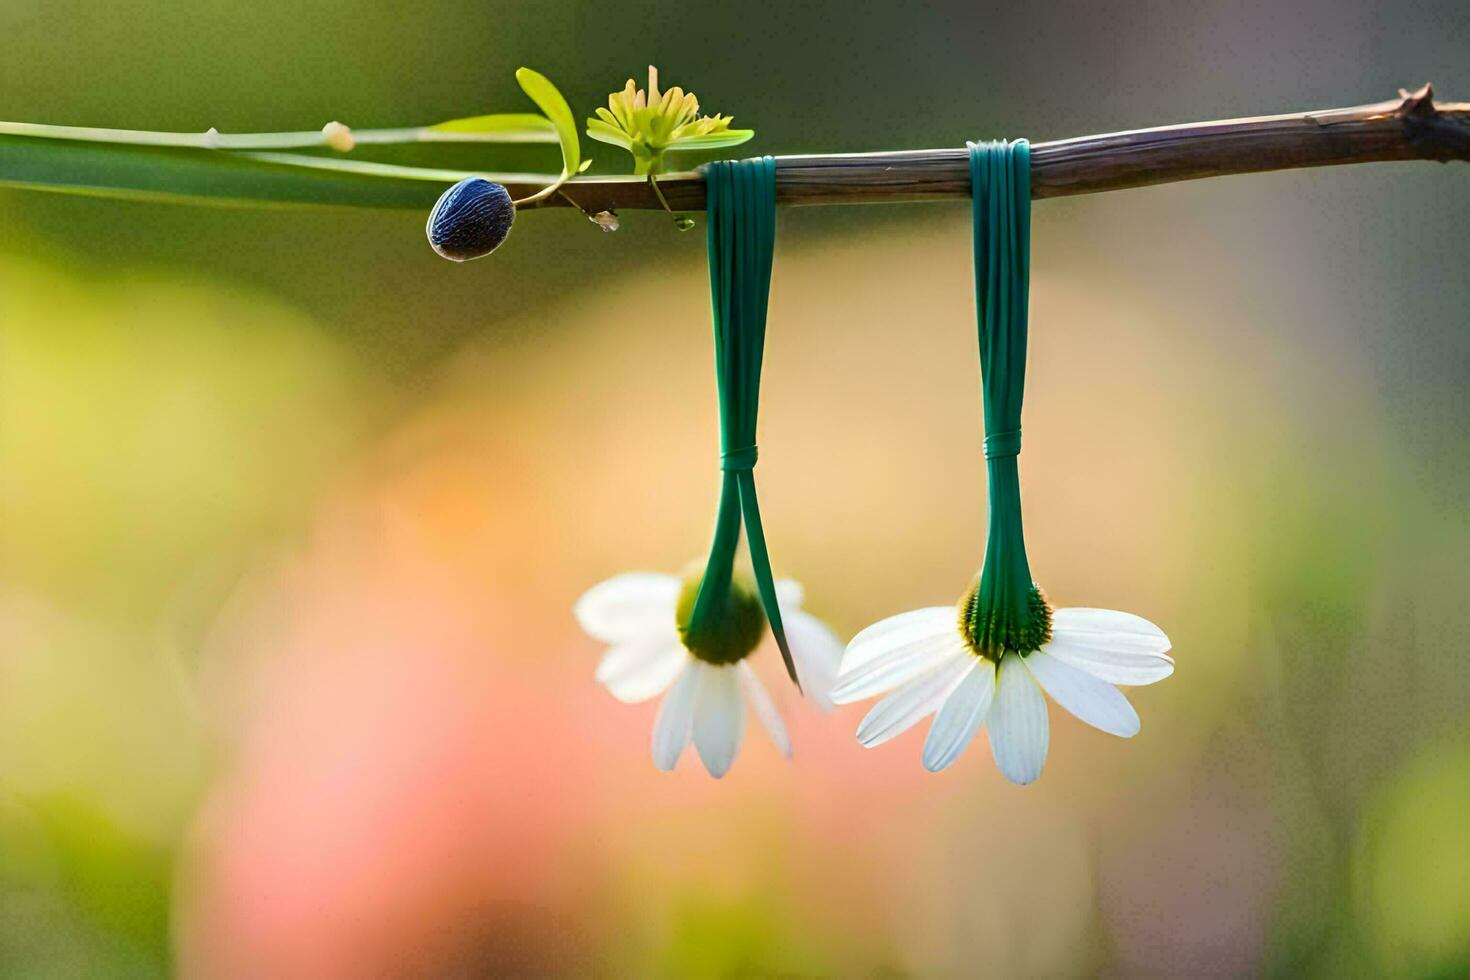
<point x="544" y="192"/>
<point x="368" y="168"/>
<point x="213" y="140"/>
<point x="653" y="182"/>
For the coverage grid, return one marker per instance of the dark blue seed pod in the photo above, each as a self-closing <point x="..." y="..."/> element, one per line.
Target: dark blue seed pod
<point x="470" y="219"/>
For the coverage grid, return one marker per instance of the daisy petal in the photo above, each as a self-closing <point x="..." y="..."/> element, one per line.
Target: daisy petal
<point x="719" y="718"/>
<point x="789" y="595"/>
<point x="1018" y="728"/>
<point x="1133" y="669"/>
<point x="1145" y="635"/>
<point x="895" y="631"/>
<point x="765" y="708"/>
<point x="638" y="670"/>
<point x="915" y="701"/>
<point x="817" y="652"/>
<point x="628" y="606"/>
<point x="1124" y="656"/>
<point x="960" y="717"/>
<point x="1096" y="702"/>
<point x="885" y="655"/>
<point x="675" y="713"/>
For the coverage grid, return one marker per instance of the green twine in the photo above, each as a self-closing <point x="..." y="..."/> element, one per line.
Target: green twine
<point x="741" y="202"/>
<point x="1005" y="611"/>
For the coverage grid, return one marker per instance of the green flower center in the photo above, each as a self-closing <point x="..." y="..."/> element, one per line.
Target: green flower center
<point x="1021" y="628"/>
<point x="735" y="624"/>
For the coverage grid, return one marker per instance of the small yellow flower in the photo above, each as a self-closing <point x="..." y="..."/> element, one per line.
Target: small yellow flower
<point x="650" y="124"/>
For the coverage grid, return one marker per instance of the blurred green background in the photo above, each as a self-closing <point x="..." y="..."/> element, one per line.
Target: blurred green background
<point x="293" y="513"/>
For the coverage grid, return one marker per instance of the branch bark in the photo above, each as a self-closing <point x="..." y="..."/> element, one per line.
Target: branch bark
<point x="1410" y="127"/>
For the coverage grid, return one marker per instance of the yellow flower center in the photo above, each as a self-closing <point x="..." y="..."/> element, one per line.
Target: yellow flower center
<point x="994" y="637"/>
<point x="735" y="624"/>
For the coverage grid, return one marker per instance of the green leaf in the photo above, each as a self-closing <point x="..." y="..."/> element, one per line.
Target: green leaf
<point x="216" y="177"/>
<point x="550" y="101"/>
<point x="712" y="141"/>
<point x="213" y="167"/>
<point x="511" y="127"/>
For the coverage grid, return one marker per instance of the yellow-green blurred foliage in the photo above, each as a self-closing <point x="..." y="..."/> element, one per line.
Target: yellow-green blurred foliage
<point x="292" y="515"/>
<point x="1413" y="861"/>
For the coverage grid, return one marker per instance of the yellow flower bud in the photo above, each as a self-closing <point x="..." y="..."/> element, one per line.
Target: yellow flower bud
<point x="338" y="137"/>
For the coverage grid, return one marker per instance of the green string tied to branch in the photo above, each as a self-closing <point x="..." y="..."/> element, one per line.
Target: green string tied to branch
<point x="741" y="196"/>
<point x="1005" y="611"/>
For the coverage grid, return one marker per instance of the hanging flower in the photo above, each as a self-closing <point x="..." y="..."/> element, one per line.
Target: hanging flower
<point x="643" y="615"/>
<point x="650" y="124"/>
<point x="989" y="662"/>
<point x="690" y="637"/>
<point x="931" y="662"/>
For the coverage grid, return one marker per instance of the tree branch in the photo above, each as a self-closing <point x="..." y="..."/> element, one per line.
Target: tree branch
<point x="1410" y="127"/>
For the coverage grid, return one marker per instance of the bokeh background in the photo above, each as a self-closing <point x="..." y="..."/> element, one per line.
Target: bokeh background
<point x="293" y="513"/>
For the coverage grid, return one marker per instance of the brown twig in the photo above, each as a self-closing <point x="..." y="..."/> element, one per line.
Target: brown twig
<point x="1410" y="127"/>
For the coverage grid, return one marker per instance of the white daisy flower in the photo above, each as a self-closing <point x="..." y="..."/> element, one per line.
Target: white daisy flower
<point x="925" y="663"/>
<point x="639" y="615"/>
